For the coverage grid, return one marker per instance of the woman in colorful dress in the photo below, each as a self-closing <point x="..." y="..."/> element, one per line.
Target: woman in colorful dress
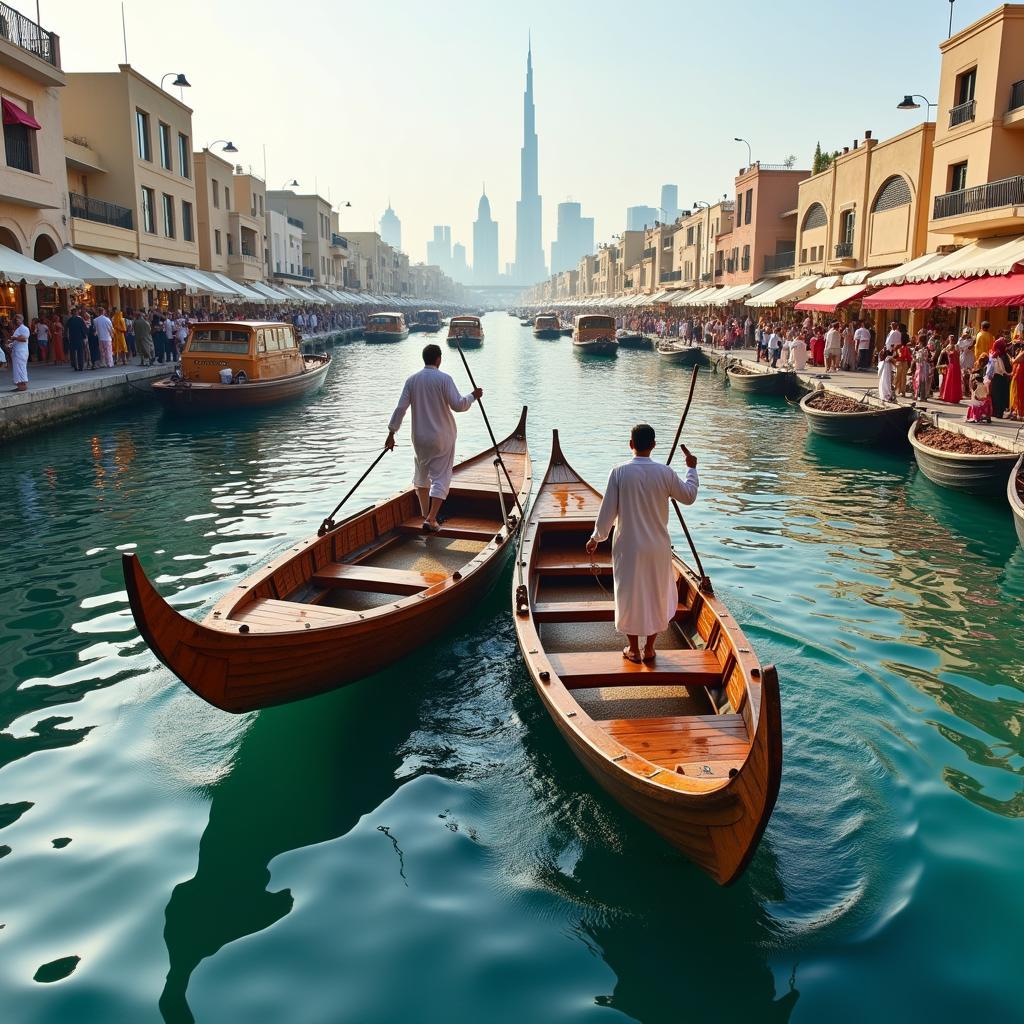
<point x="120" y="344"/>
<point x="952" y="383"/>
<point x="1017" y="385"/>
<point x="998" y="377"/>
<point x="57" y="339"/>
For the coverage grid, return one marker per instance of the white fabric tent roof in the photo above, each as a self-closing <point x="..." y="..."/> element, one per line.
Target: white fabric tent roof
<point x="985" y="256"/>
<point x="785" y="291"/>
<point x="243" y="291"/>
<point x="265" y="289"/>
<point x="150" y="274"/>
<point x="208" y="284"/>
<point x="184" y="280"/>
<point x="94" y="268"/>
<point x="899" y="275"/>
<point x="16" y="267"/>
<point x="730" y="294"/>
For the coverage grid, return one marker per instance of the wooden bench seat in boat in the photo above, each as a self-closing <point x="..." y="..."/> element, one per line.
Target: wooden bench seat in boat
<point x="700" y="746"/>
<point x="560" y="562"/>
<point x="455" y="528"/>
<point x="583" y="670"/>
<point x="377" y="579"/>
<point x="271" y="614"/>
<point x="581" y="611"/>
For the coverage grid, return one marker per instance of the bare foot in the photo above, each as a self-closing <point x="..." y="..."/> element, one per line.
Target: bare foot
<point x="631" y="654"/>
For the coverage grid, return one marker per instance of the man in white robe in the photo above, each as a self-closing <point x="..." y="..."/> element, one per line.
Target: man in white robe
<point x="433" y="397"/>
<point x="636" y="504"/>
<point x="19" y="353"/>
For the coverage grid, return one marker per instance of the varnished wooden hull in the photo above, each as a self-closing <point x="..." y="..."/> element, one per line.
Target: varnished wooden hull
<point x="183" y="397"/>
<point x="871" y="423"/>
<point x="975" y="474"/>
<point x="596" y="347"/>
<point x="548" y="332"/>
<point x="384" y="337"/>
<point x="713" y="811"/>
<point x="688" y="355"/>
<point x="465" y="342"/>
<point x="769" y="382"/>
<point x="640" y="341"/>
<point x="241" y="657"/>
<point x="1016" y="505"/>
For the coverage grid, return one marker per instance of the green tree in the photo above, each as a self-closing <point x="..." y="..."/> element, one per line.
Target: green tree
<point x="822" y="159"/>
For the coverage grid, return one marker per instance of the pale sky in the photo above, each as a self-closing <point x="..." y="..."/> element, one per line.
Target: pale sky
<point x="422" y="102"/>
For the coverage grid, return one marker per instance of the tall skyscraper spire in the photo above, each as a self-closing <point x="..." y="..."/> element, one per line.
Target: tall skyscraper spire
<point x="529" y="265"/>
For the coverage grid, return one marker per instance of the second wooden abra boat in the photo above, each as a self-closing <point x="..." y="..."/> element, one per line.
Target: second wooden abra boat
<point x="758" y="382"/>
<point x="547" y="325"/>
<point x="678" y="353"/>
<point x="467" y="329"/>
<point x="594" y="334"/>
<point x="976" y="474"/>
<point x="385" y="327"/>
<point x="1015" y="495"/>
<point x="242" y="364"/>
<point x="338" y="607"/>
<point x="691" y="743"/>
<point x="860" y="425"/>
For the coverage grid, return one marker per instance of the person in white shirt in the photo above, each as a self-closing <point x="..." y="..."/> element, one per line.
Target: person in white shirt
<point x="433" y="397"/>
<point x="104" y="328"/>
<point x="774" y="346"/>
<point x="636" y="504"/>
<point x="19" y="353"/>
<point x="833" y="347"/>
<point x="894" y="338"/>
<point x="43" y="340"/>
<point x="862" y="339"/>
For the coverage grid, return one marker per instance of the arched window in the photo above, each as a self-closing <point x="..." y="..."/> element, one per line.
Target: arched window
<point x="815" y="217"/>
<point x="894" y="192"/>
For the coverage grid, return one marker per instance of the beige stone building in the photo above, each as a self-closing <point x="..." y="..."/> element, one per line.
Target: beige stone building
<point x="130" y="167"/>
<point x="214" y="185"/>
<point x="697" y="256"/>
<point x="33" y="182"/>
<point x="247" y="226"/>
<point x="313" y="214"/>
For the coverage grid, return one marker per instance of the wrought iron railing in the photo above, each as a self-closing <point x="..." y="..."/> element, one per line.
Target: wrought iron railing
<point x="961" y="113"/>
<point x="844" y="250"/>
<point x="648" y="254"/>
<point x="339" y="240"/>
<point x="100" y="212"/>
<point x="28" y="35"/>
<point x="1006" y="192"/>
<point x="296" y="223"/>
<point x="1016" y="95"/>
<point x="670" y="275"/>
<point x="706" y="276"/>
<point x="779" y="261"/>
<point x="307" y="272"/>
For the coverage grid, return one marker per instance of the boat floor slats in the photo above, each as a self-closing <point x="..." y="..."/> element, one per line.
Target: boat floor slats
<point x="375" y="578"/>
<point x="690" y="741"/>
<point x="455" y="528"/>
<point x="270" y="614"/>
<point x="579" y="670"/>
<point x="580" y="611"/>
<point x="558" y="562"/>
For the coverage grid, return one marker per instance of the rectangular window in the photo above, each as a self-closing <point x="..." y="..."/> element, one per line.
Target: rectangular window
<point x="148" y="213"/>
<point x="168" y="205"/>
<point x="261" y="204"/>
<point x="216" y="193"/>
<point x="803" y="255"/>
<point x="231" y="244"/>
<point x="958" y="177"/>
<point x="750" y="204"/>
<point x="186" y="221"/>
<point x="216" y="241"/>
<point x="142" y="130"/>
<point x="18" y="147"/>
<point x="227" y="198"/>
<point x="965" y="83"/>
<point x="184" y="159"/>
<point x="739" y="208"/>
<point x="164" y="134"/>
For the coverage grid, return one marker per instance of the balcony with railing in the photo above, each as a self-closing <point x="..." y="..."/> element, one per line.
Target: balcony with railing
<point x="844" y="250"/>
<point x="706" y="277"/>
<point x="780" y="261"/>
<point x="25" y="33"/>
<point x="670" y="275"/>
<point x="296" y="223"/>
<point x="962" y="113"/>
<point x="339" y="241"/>
<point x="1014" y="116"/>
<point x="984" y="208"/>
<point x="648" y="254"/>
<point x="100" y="212"/>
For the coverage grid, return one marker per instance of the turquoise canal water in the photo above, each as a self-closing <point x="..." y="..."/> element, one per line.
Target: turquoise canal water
<point x="421" y="846"/>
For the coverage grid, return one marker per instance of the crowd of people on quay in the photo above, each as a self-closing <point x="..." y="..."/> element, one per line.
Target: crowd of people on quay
<point x="92" y="337"/>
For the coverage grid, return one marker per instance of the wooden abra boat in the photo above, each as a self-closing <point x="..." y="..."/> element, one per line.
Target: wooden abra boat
<point x="240" y="364"/>
<point x="977" y="474"/>
<point x="428" y="320"/>
<point x="467" y="329"/>
<point x="547" y="325"/>
<point x="629" y="339"/>
<point x="862" y="425"/>
<point x="338" y="607"/>
<point x="678" y="353"/>
<point x="758" y="382"/>
<point x="691" y="743"/>
<point x="594" y="333"/>
<point x="1015" y="494"/>
<point x="382" y="327"/>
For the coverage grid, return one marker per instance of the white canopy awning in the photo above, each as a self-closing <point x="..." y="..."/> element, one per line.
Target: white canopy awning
<point x="900" y="275"/>
<point x="148" y="275"/>
<point x="699" y="297"/>
<point x="985" y="256"/>
<point x="94" y="268"/>
<point x="244" y="292"/>
<point x="730" y="294"/>
<point x="784" y="291"/>
<point x="856" y="277"/>
<point x="15" y="268"/>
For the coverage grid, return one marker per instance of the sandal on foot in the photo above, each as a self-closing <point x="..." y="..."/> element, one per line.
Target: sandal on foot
<point x="648" y="658"/>
<point x="630" y="656"/>
<point x="429" y="527"/>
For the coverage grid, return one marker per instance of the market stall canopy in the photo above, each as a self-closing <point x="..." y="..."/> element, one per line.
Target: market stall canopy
<point x="899" y="275"/>
<point x="243" y="291"/>
<point x="985" y="256"/>
<point x="271" y="293"/>
<point x="856" y="277"/>
<point x="784" y="291"/>
<point x="14" y="267"/>
<point x="830" y="299"/>
<point x="702" y="297"/>
<point x="985" y="292"/>
<point x="181" y="278"/>
<point x="681" y="298"/>
<point x="921" y="295"/>
<point x="94" y="268"/>
<point x="151" y="274"/>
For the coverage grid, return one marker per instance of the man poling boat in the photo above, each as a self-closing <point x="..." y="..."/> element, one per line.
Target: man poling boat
<point x="433" y="396"/>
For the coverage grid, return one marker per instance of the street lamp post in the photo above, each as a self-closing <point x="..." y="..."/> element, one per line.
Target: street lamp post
<point x="180" y="80"/>
<point x="229" y="147"/>
<point x="750" y="158"/>
<point x="907" y="103"/>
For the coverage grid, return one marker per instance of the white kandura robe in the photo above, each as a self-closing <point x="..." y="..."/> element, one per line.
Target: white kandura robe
<point x="433" y="396"/>
<point x="19" y="354"/>
<point x="798" y="353"/>
<point x="636" y="503"/>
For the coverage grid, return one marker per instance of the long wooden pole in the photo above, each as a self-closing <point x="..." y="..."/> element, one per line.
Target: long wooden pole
<point x="682" y="420"/>
<point x="487" y="423"/>
<point x="328" y="523"/>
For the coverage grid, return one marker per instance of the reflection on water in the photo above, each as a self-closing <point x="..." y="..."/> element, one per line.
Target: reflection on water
<point x="373" y="852"/>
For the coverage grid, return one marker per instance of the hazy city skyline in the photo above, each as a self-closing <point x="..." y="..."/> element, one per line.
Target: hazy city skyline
<point x="425" y="140"/>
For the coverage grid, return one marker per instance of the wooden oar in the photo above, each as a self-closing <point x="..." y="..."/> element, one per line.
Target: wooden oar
<point x="487" y="423"/>
<point x="704" y="583"/>
<point x="328" y="524"/>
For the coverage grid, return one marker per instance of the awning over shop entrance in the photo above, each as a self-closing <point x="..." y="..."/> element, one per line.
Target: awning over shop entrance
<point x="985" y="292"/>
<point x="830" y="299"/>
<point x="784" y="291"/>
<point x="94" y="268"/>
<point x="15" y="268"/>
<point x="922" y="295"/>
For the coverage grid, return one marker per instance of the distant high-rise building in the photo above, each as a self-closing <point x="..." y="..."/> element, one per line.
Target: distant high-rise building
<point x="391" y="228"/>
<point x="460" y="268"/>
<point x="439" y="248"/>
<point x="485" y="244"/>
<point x="640" y="217"/>
<point x="575" y="238"/>
<point x="669" y="203"/>
<point x="529" y="266"/>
